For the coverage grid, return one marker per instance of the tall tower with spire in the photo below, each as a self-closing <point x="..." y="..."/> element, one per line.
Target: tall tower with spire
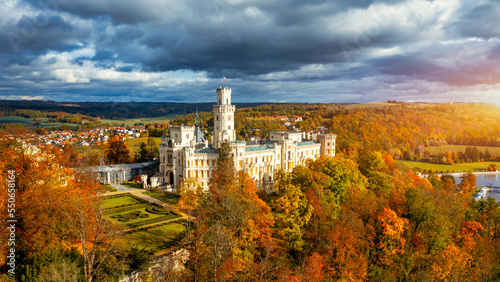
<point x="223" y="118"/>
<point x="198" y="135"/>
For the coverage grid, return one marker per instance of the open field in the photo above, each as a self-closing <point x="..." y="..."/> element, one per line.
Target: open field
<point x="460" y="148"/>
<point x="463" y="167"/>
<point x="134" y="144"/>
<point x="27" y="121"/>
<point x="156" y="239"/>
<point x="133" y="121"/>
<point x="20" y="120"/>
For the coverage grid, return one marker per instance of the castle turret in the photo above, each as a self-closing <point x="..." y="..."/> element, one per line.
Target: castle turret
<point x="223" y="117"/>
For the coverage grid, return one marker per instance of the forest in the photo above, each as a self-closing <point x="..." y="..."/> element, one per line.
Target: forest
<point x="358" y="216"/>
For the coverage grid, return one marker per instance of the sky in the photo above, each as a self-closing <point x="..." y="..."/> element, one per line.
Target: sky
<point x="349" y="51"/>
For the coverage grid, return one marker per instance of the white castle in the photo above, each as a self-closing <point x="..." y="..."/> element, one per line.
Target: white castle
<point x="185" y="154"/>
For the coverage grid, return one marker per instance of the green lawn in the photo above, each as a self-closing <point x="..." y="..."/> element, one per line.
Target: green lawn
<point x="460" y="148"/>
<point x="167" y="198"/>
<point x="106" y="188"/>
<point x="132" y="185"/>
<point x="125" y="200"/>
<point x="157" y="238"/>
<point x="136" y="216"/>
<point x="463" y="167"/>
<point x="11" y="119"/>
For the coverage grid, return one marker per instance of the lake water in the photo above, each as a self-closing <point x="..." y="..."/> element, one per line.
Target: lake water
<point x="487" y="180"/>
<point x="483" y="180"/>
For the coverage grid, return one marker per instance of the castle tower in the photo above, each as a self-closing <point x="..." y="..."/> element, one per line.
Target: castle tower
<point x="223" y="118"/>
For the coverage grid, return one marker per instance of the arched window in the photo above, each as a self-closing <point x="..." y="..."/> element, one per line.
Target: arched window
<point x="227" y="101"/>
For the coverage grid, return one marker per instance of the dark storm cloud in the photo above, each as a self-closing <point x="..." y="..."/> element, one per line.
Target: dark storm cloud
<point x="481" y="21"/>
<point x="272" y="50"/>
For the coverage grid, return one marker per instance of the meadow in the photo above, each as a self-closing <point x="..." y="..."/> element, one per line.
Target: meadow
<point x="462" y="167"/>
<point x="20" y="120"/>
<point x="134" y="144"/>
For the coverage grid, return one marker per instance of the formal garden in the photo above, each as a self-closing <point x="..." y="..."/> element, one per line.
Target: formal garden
<point x="130" y="211"/>
<point x="157" y="238"/>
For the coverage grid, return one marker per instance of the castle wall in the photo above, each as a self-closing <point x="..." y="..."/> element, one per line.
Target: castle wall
<point x="181" y="157"/>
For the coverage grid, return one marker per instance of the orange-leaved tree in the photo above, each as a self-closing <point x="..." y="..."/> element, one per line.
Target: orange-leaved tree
<point x="117" y="152"/>
<point x="237" y="223"/>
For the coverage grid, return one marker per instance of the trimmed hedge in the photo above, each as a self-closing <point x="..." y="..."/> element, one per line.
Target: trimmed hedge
<point x="181" y="220"/>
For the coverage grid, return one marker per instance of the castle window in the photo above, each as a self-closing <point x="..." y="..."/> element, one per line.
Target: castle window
<point x="216" y="117"/>
<point x="201" y="173"/>
<point x="196" y="173"/>
<point x="187" y="136"/>
<point x="217" y="127"/>
<point x="327" y="144"/>
<point x="227" y="101"/>
<point x="196" y="162"/>
<point x="201" y="162"/>
<point x="228" y="117"/>
<point x="228" y="127"/>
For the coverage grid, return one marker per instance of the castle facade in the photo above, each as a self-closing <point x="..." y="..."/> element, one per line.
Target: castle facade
<point x="185" y="154"/>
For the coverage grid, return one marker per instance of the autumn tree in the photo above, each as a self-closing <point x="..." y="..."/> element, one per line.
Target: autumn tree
<point x="191" y="198"/>
<point x="96" y="235"/>
<point x="391" y="240"/>
<point x="296" y="211"/>
<point x="235" y="222"/>
<point x="117" y="152"/>
<point x="468" y="182"/>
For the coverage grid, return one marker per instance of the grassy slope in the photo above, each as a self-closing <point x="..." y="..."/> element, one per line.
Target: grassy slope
<point x="21" y="120"/>
<point x="133" y="144"/>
